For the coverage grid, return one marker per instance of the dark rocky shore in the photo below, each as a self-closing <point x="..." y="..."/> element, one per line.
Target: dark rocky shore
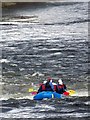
<point x="8" y="4"/>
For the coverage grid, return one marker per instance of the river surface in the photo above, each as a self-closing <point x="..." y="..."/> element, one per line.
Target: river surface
<point x="41" y="40"/>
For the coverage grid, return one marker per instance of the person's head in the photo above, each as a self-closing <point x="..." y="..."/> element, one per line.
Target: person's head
<point x="49" y="79"/>
<point x="60" y="81"/>
<point x="44" y="82"/>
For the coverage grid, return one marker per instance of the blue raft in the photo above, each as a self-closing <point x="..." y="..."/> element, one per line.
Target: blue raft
<point x="46" y="94"/>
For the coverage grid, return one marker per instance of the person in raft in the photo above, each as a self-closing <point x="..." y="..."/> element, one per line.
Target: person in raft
<point x="49" y="86"/>
<point x="61" y="87"/>
<point x="46" y="86"/>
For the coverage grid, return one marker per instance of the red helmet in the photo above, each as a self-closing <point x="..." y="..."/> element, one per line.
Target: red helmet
<point x="49" y="78"/>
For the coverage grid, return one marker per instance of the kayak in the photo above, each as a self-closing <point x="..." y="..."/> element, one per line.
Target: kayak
<point x="47" y="94"/>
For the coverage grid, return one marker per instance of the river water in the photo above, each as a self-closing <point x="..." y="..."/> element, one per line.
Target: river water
<point x="41" y="40"/>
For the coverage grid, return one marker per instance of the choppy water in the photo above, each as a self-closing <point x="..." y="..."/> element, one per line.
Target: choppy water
<point x="68" y="108"/>
<point x="47" y="40"/>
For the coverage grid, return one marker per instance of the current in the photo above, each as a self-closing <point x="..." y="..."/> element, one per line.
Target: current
<point x="40" y="40"/>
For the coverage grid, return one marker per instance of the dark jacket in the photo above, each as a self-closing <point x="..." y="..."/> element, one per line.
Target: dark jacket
<point x="41" y="88"/>
<point x="49" y="86"/>
<point x="46" y="87"/>
<point x="61" y="88"/>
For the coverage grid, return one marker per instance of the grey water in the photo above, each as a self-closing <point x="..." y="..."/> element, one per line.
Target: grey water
<point x="41" y="40"/>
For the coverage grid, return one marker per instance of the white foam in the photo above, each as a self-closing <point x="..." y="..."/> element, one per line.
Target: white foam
<point x="44" y="107"/>
<point x="26" y="97"/>
<point x="81" y="93"/>
<point x="4" y="61"/>
<point x="15" y="96"/>
<point x="37" y="73"/>
<point x="25" y="113"/>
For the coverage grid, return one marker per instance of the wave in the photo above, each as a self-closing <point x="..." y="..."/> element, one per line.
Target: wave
<point x="27" y="21"/>
<point x="68" y="23"/>
<point x="74" y="108"/>
<point x="29" y="96"/>
<point x="67" y="100"/>
<point x="16" y="22"/>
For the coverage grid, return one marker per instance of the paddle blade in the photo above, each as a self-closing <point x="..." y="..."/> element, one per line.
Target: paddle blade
<point x="71" y="92"/>
<point x="31" y="90"/>
<point x="66" y="93"/>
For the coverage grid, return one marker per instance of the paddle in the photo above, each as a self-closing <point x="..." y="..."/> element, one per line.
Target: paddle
<point x="69" y="93"/>
<point x="32" y="91"/>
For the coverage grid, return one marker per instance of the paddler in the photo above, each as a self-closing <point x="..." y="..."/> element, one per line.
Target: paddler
<point x="49" y="86"/>
<point x="46" y="86"/>
<point x="61" y="87"/>
<point x="42" y="87"/>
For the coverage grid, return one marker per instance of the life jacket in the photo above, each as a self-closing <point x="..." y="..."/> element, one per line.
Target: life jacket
<point x="55" y="87"/>
<point x="48" y="86"/>
<point x="43" y="87"/>
<point x="60" y="86"/>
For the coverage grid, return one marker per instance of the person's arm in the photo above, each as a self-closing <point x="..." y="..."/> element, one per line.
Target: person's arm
<point x="56" y="88"/>
<point x="52" y="86"/>
<point x="40" y="89"/>
<point x="65" y="87"/>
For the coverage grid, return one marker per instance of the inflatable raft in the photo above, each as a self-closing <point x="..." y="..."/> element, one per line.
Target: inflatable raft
<point x="47" y="94"/>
